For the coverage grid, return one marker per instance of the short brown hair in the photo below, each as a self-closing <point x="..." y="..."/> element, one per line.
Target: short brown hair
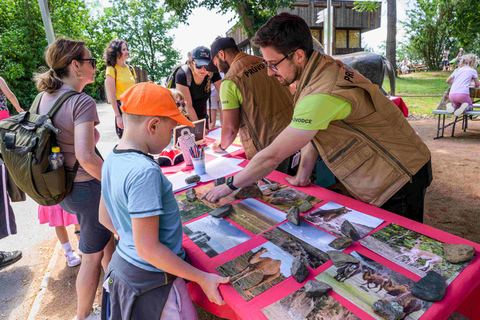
<point x="113" y="51"/>
<point x="58" y="57"/>
<point x="286" y="33"/>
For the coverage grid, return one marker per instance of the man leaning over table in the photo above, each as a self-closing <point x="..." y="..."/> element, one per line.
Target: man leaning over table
<point x="253" y="103"/>
<point x="360" y="134"/>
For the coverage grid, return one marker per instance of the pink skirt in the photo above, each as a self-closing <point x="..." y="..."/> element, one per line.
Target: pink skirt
<point x="55" y="216"/>
<point x="4" y="114"/>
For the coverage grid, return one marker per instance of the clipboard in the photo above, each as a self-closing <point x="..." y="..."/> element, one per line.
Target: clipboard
<point x="198" y="131"/>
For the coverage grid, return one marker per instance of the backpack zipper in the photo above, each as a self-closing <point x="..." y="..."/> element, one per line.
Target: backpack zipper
<point x="380" y="147"/>
<point x="341" y="152"/>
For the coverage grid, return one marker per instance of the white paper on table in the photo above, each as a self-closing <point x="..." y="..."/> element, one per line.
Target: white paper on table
<point x="220" y="167"/>
<point x="215" y="134"/>
<point x="230" y="149"/>
<point x="178" y="181"/>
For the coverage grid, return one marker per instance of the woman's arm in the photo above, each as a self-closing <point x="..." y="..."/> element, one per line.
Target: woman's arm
<point x="10" y="96"/>
<point x="192" y="115"/>
<point x="84" y="134"/>
<point x="111" y="88"/>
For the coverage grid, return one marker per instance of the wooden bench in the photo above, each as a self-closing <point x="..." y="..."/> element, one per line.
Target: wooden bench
<point x="468" y="115"/>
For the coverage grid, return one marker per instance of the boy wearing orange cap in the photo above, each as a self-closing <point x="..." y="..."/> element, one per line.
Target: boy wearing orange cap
<point x="138" y="204"/>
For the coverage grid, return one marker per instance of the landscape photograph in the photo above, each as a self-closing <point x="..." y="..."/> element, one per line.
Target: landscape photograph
<point x="258" y="270"/>
<point x="256" y="216"/>
<point x="305" y="240"/>
<point x="372" y="282"/>
<point x="412" y="251"/>
<point x="214" y="235"/>
<point x="190" y="210"/>
<point x="330" y="217"/>
<point x="299" y="306"/>
<point x="285" y="197"/>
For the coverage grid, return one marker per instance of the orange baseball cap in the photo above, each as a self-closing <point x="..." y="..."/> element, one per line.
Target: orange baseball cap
<point x="150" y="99"/>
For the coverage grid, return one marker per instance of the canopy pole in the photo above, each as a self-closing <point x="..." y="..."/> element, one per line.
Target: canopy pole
<point x="47" y="22"/>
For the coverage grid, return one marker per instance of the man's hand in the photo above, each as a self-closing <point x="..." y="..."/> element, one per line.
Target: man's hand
<point x="216" y="193"/>
<point x="119" y="121"/>
<point x="298" y="181"/>
<point x="210" y="283"/>
<point x="216" y="147"/>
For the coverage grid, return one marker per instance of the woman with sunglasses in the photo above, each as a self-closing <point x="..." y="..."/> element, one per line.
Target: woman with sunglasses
<point x="119" y="77"/>
<point x="198" y="93"/>
<point x="71" y="68"/>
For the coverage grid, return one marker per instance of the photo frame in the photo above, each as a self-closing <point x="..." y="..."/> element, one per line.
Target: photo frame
<point x="198" y="131"/>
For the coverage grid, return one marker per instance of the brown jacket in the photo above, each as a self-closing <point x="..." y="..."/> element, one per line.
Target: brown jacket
<point x="374" y="151"/>
<point x="267" y="106"/>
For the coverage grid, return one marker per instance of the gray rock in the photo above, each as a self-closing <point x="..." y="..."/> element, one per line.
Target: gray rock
<point x="432" y="287"/>
<point x="273" y="186"/>
<point x="388" y="310"/>
<point x="458" y="253"/>
<point x="192" y="179"/>
<point x="339" y="259"/>
<point x="349" y="230"/>
<point x="284" y="197"/>
<point x="219" y="181"/>
<point x="341" y="243"/>
<point x="293" y="215"/>
<point x="221" y="212"/>
<point x="251" y="191"/>
<point x="316" y="289"/>
<point x="305" y="206"/>
<point x="191" y="195"/>
<point x="299" y="269"/>
<point x="324" y="257"/>
<point x="457" y="316"/>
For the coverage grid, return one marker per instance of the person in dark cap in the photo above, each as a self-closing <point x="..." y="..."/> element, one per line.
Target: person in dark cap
<point x="196" y="86"/>
<point x="253" y="103"/>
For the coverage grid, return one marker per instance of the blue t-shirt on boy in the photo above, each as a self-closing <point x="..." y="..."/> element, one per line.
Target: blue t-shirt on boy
<point x="133" y="186"/>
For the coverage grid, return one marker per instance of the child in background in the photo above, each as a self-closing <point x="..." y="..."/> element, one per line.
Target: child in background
<point x="60" y="219"/>
<point x="180" y="101"/>
<point x="460" y="92"/>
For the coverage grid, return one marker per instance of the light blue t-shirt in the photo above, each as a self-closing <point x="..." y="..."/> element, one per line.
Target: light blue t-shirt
<point x="133" y="186"/>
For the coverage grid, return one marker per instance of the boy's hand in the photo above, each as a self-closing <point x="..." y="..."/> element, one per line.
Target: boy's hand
<point x="210" y="283"/>
<point x="216" y="193"/>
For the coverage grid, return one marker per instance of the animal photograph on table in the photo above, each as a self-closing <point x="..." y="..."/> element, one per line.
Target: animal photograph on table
<point x="214" y="235"/>
<point x="190" y="210"/>
<point x="256" y="216"/>
<point x="258" y="270"/>
<point x="304" y="239"/>
<point x="370" y="283"/>
<point x="285" y="197"/>
<point x="412" y="251"/>
<point x="331" y="216"/>
<point x="299" y="306"/>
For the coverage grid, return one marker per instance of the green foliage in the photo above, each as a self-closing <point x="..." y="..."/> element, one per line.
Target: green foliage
<point x="144" y="25"/>
<point x="368" y="6"/>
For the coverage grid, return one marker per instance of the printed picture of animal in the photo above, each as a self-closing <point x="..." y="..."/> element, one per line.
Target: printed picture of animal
<point x="412" y="251"/>
<point x="299" y="306"/>
<point x="369" y="282"/>
<point x="190" y="210"/>
<point x="257" y="270"/>
<point x="285" y="197"/>
<point x="331" y="216"/>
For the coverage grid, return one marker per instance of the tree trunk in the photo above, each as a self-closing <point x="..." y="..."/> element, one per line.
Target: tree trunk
<point x="392" y="32"/>
<point x="248" y="23"/>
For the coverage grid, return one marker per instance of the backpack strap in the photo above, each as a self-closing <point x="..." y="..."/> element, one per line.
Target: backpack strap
<point x="188" y="74"/>
<point x="60" y="101"/>
<point x="36" y="103"/>
<point x="131" y="71"/>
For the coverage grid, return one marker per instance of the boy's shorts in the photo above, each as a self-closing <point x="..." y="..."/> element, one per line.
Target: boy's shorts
<point x="130" y="292"/>
<point x="83" y="201"/>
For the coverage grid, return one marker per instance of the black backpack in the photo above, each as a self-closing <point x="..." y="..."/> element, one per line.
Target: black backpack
<point x="170" y="82"/>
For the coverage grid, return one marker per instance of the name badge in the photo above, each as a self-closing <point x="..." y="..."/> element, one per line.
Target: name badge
<point x="296" y="159"/>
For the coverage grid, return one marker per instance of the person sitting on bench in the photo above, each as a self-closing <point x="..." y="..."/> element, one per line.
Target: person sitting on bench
<point x="459" y="92"/>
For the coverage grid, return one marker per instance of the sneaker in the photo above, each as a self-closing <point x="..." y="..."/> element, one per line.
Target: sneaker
<point x="73" y="259"/>
<point x="450" y="108"/>
<point x="461" y="109"/>
<point x="9" y="257"/>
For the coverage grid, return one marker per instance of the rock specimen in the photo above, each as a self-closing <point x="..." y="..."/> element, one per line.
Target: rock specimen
<point x="458" y="253"/>
<point x="305" y="206"/>
<point x="432" y="287"/>
<point x="273" y="186"/>
<point x="339" y="259"/>
<point x="388" y="310"/>
<point x="221" y="212"/>
<point x="191" y="195"/>
<point x="219" y="181"/>
<point x="284" y="197"/>
<point x="316" y="289"/>
<point x="293" y="215"/>
<point x="349" y="231"/>
<point x="192" y="179"/>
<point x="341" y="243"/>
<point x="299" y="269"/>
<point x="251" y="191"/>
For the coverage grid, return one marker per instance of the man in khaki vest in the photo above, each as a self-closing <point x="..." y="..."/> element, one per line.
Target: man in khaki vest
<point x="360" y="134"/>
<point x="255" y="105"/>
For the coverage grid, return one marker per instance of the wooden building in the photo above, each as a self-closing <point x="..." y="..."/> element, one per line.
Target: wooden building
<point x="348" y="24"/>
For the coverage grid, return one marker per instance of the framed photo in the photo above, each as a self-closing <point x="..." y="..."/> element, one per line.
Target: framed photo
<point x="198" y="131"/>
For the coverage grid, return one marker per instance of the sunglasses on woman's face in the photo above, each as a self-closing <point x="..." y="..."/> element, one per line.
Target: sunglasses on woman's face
<point x="181" y="104"/>
<point x="199" y="67"/>
<point x="93" y="62"/>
